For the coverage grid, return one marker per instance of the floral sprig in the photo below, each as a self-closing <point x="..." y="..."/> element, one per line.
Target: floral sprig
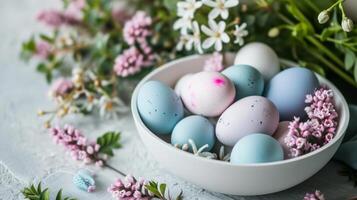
<point x="83" y="150"/>
<point x="139" y="189"/>
<point x="317" y="195"/>
<point x="201" y="151"/>
<point x="324" y="16"/>
<point x="216" y="34"/>
<point x="33" y="192"/>
<point x="319" y="129"/>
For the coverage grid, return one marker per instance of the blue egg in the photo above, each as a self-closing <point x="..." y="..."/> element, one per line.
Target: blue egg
<point x="256" y="148"/>
<point x="159" y="107"/>
<point x="288" y="90"/>
<point x="196" y="128"/>
<point x="247" y="80"/>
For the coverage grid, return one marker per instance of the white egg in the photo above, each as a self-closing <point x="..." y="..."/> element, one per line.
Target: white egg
<point x="261" y="57"/>
<point x="182" y="83"/>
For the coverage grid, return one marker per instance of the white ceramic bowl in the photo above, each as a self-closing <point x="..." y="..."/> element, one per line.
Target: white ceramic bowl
<point x="224" y="177"/>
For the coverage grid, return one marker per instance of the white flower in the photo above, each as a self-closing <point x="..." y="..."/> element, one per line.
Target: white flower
<point x="220" y="7"/>
<point x="110" y="107"/>
<point x="184" y="24"/>
<point x="240" y="32"/>
<point x="189" y="41"/>
<point x="187" y="8"/>
<point x="216" y="35"/>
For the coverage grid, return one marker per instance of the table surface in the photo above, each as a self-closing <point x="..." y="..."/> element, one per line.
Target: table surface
<point x="27" y="153"/>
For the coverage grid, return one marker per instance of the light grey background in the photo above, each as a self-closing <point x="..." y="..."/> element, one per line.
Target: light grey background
<point x="27" y="153"/>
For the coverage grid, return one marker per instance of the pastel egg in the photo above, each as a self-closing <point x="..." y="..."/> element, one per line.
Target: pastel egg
<point x="280" y="134"/>
<point x="246" y="79"/>
<point x="182" y="83"/>
<point x="159" y="107"/>
<point x="253" y="114"/>
<point x="256" y="148"/>
<point x="259" y="56"/>
<point x="288" y="90"/>
<point x="196" y="128"/>
<point x="208" y="93"/>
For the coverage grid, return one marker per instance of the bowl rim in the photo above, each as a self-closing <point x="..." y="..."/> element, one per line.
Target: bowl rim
<point x="138" y="121"/>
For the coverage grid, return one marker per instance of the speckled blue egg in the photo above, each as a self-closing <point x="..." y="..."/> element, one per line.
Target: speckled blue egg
<point x="196" y="128"/>
<point x="247" y="80"/>
<point x="256" y="148"/>
<point x="288" y="89"/>
<point x="159" y="107"/>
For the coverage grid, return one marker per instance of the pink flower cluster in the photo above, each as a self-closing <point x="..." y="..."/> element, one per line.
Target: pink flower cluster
<point x="136" y="31"/>
<point x="74" y="141"/>
<point x="128" y="63"/>
<point x="214" y="63"/>
<point x="43" y="49"/>
<point x="317" y="195"/>
<point x="71" y="16"/>
<point x="129" y="189"/>
<point x="61" y="87"/>
<point x="318" y="130"/>
<point x="138" y="28"/>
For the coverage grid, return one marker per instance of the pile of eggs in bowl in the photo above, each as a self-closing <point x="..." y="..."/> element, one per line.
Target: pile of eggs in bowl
<point x="246" y="107"/>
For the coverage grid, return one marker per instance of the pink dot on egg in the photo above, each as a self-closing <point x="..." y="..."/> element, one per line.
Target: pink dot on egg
<point x="218" y="81"/>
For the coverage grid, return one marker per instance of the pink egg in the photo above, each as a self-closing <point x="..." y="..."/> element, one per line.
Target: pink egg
<point x="280" y="134"/>
<point x="182" y="83"/>
<point x="208" y="93"/>
<point x="253" y="114"/>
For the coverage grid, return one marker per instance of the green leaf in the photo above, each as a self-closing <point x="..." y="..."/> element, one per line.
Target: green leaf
<point x="46" y="38"/>
<point x="109" y="141"/>
<point x="350" y="59"/>
<point x="59" y="195"/>
<point x="162" y="189"/>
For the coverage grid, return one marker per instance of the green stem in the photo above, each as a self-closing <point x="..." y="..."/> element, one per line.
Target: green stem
<point x="322" y="48"/>
<point x="342" y="10"/>
<point x="330" y="65"/>
<point x="313" y="6"/>
<point x="334" y="5"/>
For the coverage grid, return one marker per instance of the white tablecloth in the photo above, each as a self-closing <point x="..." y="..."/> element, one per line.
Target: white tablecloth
<point x="27" y="153"/>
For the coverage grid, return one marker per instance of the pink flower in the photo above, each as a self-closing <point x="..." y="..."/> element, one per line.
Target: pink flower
<point x="73" y="13"/>
<point x="53" y="18"/>
<point x="319" y="129"/>
<point x="76" y="144"/>
<point x="137" y="29"/>
<point x="43" y="49"/>
<point x="129" y="63"/>
<point x="317" y="195"/>
<point x="129" y="188"/>
<point x="61" y="87"/>
<point x="214" y="63"/>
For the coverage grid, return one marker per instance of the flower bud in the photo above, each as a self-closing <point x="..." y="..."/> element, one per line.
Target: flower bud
<point x="323" y="17"/>
<point x="347" y="24"/>
<point x="273" y="32"/>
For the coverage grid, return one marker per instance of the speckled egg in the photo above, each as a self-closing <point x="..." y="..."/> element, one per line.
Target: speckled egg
<point x="261" y="57"/>
<point x="246" y="79"/>
<point x="253" y="114"/>
<point x="288" y="89"/>
<point x="196" y="128"/>
<point x="256" y="148"/>
<point x="208" y="93"/>
<point x="280" y="134"/>
<point x="182" y="83"/>
<point x="159" y="107"/>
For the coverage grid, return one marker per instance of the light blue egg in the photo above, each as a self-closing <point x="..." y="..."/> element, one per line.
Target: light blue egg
<point x="247" y="80"/>
<point x="288" y="90"/>
<point x="84" y="181"/>
<point x="256" y="148"/>
<point x="196" y="128"/>
<point x="159" y="107"/>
